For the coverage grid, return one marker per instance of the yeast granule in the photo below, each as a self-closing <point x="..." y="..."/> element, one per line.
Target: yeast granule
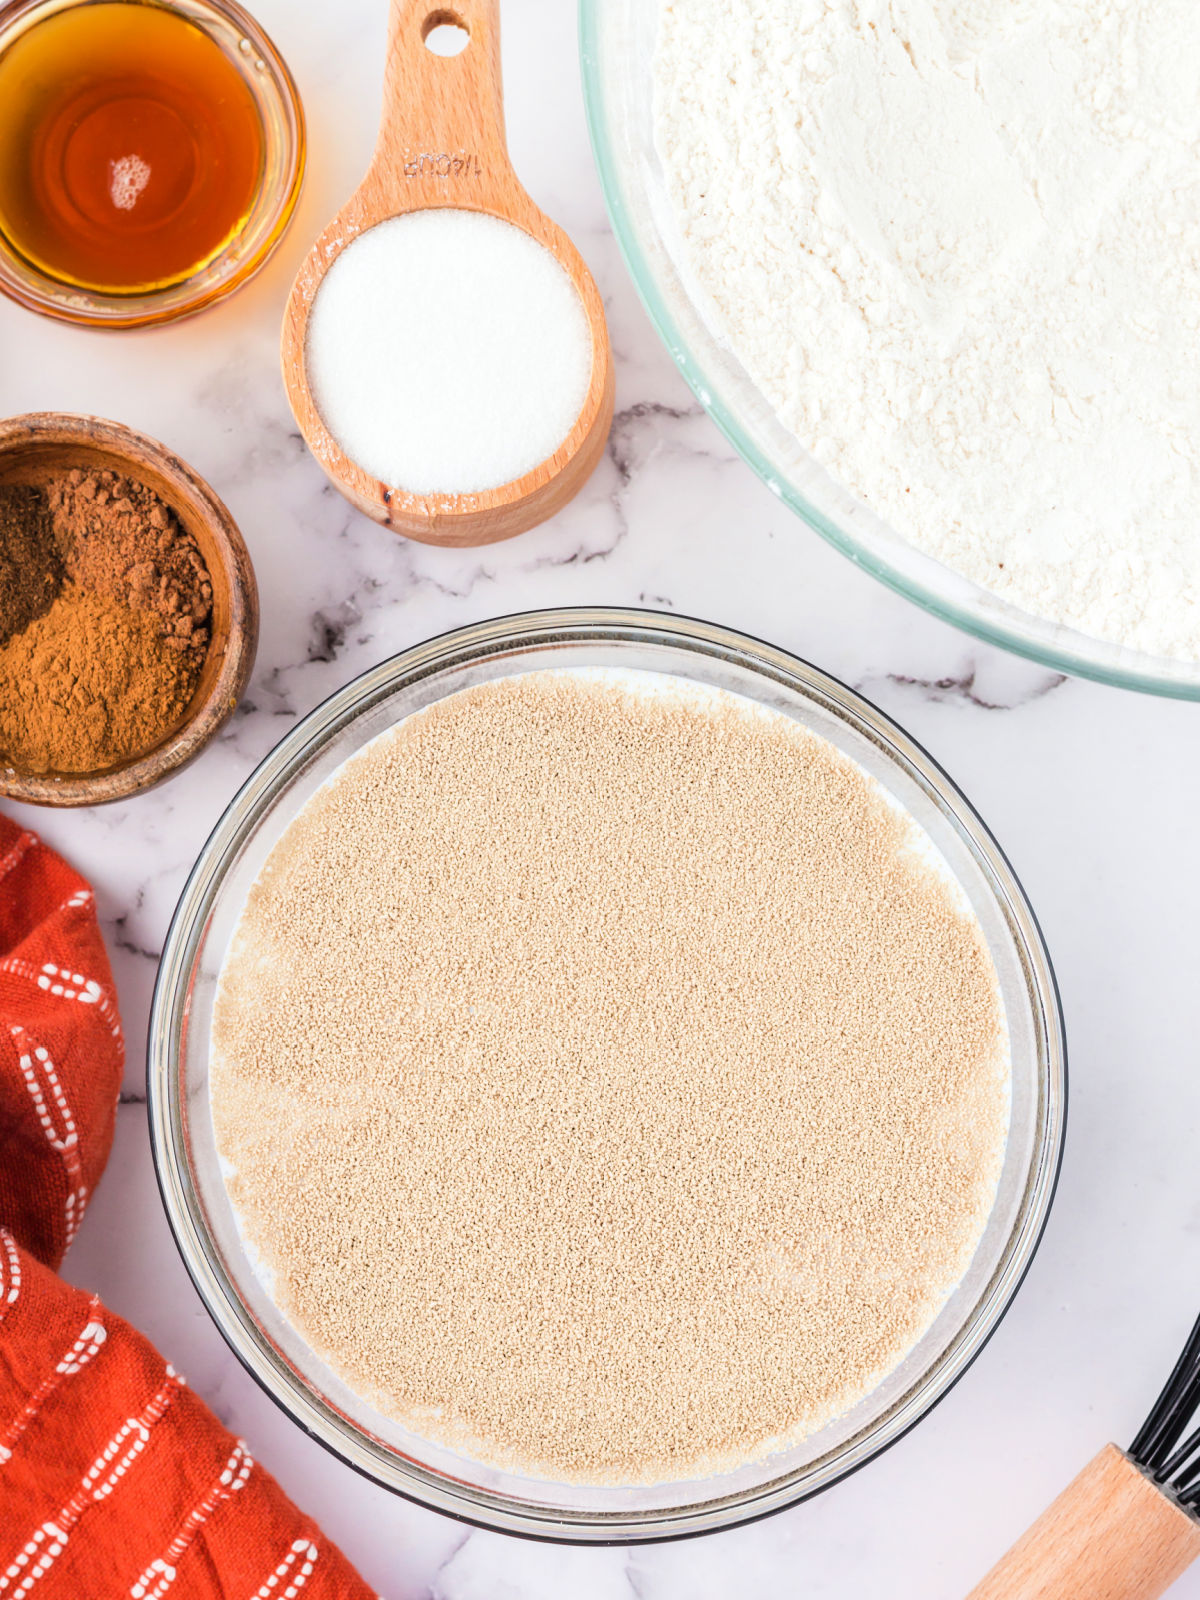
<point x="612" y="1086"/>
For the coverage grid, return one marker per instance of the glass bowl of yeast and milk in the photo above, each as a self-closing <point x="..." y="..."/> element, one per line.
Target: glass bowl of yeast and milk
<point x="189" y="1166"/>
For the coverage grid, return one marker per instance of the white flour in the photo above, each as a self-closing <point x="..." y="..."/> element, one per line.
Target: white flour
<point x="957" y="244"/>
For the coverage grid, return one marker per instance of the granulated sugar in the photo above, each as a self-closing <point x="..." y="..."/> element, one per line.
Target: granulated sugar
<point x="448" y="352"/>
<point x="613" y="1083"/>
<point x="955" y="243"/>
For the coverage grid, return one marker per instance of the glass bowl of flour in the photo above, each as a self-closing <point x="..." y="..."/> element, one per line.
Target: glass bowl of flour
<point x="936" y="283"/>
<point x="487" y="1105"/>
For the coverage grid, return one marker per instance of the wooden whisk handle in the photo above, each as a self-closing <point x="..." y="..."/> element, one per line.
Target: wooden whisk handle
<point x="1111" y="1535"/>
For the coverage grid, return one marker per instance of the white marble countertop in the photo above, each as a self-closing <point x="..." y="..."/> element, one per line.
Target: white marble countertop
<point x="1094" y="794"/>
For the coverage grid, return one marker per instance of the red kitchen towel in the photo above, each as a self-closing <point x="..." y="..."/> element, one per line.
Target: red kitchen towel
<point x="115" y="1480"/>
<point x="60" y="1046"/>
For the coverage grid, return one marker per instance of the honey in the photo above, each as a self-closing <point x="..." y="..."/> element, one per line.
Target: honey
<point x="131" y="148"/>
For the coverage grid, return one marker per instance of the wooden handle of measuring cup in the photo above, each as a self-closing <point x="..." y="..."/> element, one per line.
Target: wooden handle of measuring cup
<point x="441" y="136"/>
<point x="1111" y="1535"/>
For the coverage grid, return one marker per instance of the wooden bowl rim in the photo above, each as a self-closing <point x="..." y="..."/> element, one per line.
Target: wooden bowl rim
<point x="453" y="518"/>
<point x="132" y="451"/>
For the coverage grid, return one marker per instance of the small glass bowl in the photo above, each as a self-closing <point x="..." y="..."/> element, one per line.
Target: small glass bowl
<point x="188" y="1165"/>
<point x="277" y="99"/>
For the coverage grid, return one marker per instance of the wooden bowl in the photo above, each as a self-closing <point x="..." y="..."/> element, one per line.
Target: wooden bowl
<point x="40" y="443"/>
<point x="442" y="145"/>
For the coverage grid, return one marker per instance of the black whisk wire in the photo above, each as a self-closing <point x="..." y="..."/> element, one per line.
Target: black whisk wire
<point x="1161" y="1447"/>
<point x="1173" y="1466"/>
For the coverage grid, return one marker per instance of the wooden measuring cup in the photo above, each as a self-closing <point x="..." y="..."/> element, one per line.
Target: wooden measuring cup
<point x="441" y="144"/>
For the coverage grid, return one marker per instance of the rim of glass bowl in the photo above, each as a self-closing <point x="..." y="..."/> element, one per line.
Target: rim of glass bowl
<point x="610" y="57"/>
<point x="477" y="645"/>
<point x="277" y="98"/>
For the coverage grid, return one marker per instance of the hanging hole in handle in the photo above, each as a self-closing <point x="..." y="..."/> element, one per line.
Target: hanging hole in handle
<point x="445" y="33"/>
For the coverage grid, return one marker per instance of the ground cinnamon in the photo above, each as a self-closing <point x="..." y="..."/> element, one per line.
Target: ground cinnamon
<point x="118" y="538"/>
<point x="105" y="620"/>
<point x="88" y="684"/>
